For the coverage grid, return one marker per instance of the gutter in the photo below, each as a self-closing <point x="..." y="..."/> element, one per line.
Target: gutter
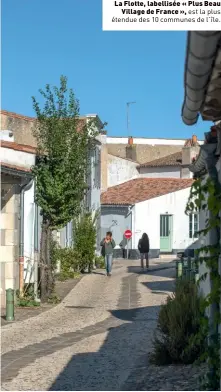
<point x="201" y="51"/>
<point x="24" y="188"/>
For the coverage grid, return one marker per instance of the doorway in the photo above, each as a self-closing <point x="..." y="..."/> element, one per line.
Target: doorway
<point x="165" y="233"/>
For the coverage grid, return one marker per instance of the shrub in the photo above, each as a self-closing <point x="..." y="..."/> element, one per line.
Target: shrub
<point x="28" y="298"/>
<point x="99" y="262"/>
<point x="177" y="339"/>
<point x="70" y="262"/>
<point x="85" y="240"/>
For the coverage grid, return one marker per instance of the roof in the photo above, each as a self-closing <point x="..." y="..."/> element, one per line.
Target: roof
<point x="15" y="168"/>
<point x="141" y="189"/>
<point x="18" y="147"/>
<point x="28" y="118"/>
<point x="202" y="77"/>
<point x="16" y="115"/>
<point x="144" y="152"/>
<point x="125" y="159"/>
<point x="169" y="160"/>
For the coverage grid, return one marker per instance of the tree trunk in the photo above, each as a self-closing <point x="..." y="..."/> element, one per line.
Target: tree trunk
<point x="43" y="260"/>
<point x="50" y="287"/>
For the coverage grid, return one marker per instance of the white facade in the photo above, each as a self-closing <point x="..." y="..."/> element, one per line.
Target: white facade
<point x="7" y="136"/>
<point x="120" y="170"/>
<point x="152" y="142"/>
<point x="146" y="218"/>
<point x="29" y="221"/>
<point x="160" y="172"/>
<point x="207" y="240"/>
<point x="17" y="157"/>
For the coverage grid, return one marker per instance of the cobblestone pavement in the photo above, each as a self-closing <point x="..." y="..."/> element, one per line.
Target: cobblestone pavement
<point x="98" y="338"/>
<point x="62" y="290"/>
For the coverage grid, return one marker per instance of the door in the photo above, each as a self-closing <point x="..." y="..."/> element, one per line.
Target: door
<point x="165" y="233"/>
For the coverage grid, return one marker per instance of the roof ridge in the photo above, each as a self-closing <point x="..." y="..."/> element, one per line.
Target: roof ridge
<point x="150" y="179"/>
<point x="177" y="153"/>
<point x="16" y="115"/>
<point x="141" y="189"/>
<point x="18" y="146"/>
<point x="127" y="159"/>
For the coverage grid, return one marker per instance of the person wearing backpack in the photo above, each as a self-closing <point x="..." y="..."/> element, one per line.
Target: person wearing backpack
<point x="144" y="248"/>
<point x="108" y="245"/>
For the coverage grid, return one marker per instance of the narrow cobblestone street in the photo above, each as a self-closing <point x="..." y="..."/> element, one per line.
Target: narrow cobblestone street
<point x="98" y="338"/>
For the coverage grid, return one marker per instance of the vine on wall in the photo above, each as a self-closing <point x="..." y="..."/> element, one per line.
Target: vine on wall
<point x="206" y="195"/>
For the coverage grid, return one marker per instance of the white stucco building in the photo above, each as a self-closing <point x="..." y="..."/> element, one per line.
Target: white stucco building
<point x="20" y="216"/>
<point x="203" y="98"/>
<point x="135" y="160"/>
<point x="152" y="205"/>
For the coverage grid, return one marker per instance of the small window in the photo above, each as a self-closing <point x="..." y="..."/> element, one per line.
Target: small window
<point x="193" y="225"/>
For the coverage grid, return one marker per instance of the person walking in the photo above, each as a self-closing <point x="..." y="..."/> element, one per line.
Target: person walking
<point x="123" y="245"/>
<point x="108" y="245"/>
<point x="144" y="248"/>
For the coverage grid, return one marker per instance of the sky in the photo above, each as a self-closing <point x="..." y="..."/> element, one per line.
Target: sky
<point x="44" y="39"/>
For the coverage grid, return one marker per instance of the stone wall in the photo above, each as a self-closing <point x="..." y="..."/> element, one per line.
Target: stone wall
<point x="21" y="126"/>
<point x="9" y="249"/>
<point x="144" y="152"/>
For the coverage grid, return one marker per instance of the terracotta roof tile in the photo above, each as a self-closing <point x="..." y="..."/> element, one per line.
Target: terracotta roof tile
<point x="18" y="147"/>
<point x="169" y="160"/>
<point x="14" y="167"/>
<point x="141" y="189"/>
<point x="16" y="115"/>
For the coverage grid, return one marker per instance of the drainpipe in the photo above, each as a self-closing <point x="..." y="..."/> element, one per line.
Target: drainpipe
<point x="36" y="254"/>
<point x="24" y="188"/>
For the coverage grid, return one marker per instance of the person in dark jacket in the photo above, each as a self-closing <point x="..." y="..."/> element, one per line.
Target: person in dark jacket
<point x="144" y="248"/>
<point x="108" y="245"/>
<point x="123" y="245"/>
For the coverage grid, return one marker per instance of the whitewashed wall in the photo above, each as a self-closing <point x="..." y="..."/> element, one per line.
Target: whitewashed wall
<point x="144" y="140"/>
<point x="7" y="135"/>
<point x="206" y="240"/>
<point x="29" y="218"/>
<point x="17" y="158"/>
<point x="120" y="170"/>
<point x="147" y="219"/>
<point x="160" y="172"/>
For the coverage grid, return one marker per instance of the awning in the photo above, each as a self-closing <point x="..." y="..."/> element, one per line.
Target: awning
<point x="201" y="53"/>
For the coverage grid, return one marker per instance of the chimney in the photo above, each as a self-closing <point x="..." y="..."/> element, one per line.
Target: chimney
<point x="131" y="150"/>
<point x="194" y="140"/>
<point x="190" y="151"/>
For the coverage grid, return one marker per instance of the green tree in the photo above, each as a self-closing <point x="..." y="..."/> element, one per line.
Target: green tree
<point x="63" y="142"/>
<point x="85" y="239"/>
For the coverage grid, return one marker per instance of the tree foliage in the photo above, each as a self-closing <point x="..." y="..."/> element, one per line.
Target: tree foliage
<point x="63" y="141"/>
<point x="85" y="239"/>
<point x="205" y="195"/>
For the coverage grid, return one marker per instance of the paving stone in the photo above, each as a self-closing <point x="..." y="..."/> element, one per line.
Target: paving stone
<point x="98" y="338"/>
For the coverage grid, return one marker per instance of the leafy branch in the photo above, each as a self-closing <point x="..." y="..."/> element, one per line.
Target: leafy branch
<point x="206" y="195"/>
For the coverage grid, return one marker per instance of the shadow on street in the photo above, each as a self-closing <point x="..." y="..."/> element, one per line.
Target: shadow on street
<point x="109" y="368"/>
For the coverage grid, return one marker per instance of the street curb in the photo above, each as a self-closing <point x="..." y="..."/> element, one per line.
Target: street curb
<point x="7" y="326"/>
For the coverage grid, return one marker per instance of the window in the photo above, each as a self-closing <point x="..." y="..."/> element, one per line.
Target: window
<point x="97" y="163"/>
<point x="193" y="225"/>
